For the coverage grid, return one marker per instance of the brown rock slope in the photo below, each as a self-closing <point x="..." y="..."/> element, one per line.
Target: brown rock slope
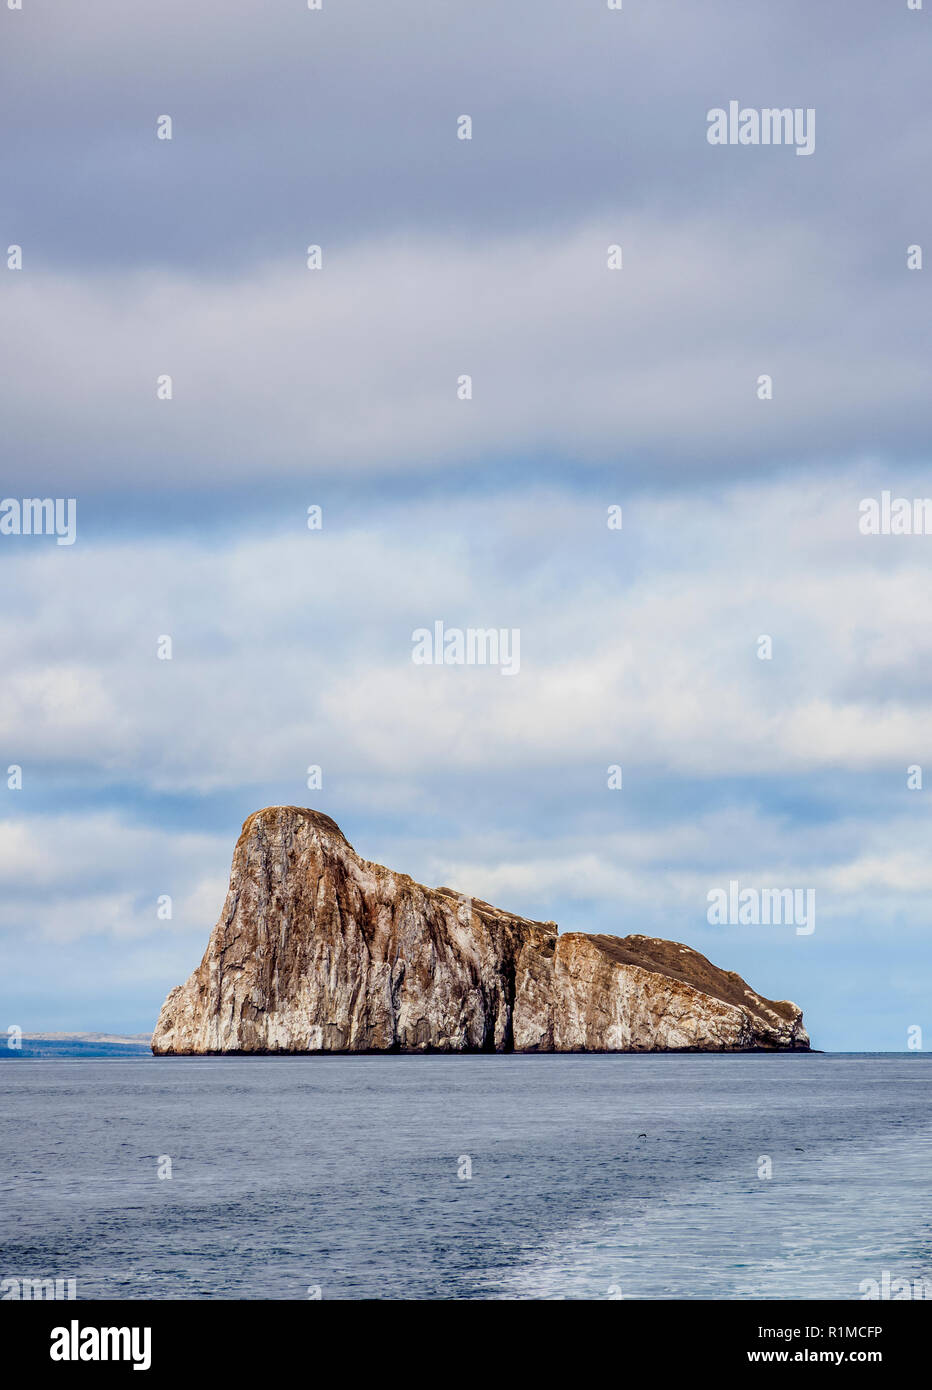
<point x="317" y="950"/>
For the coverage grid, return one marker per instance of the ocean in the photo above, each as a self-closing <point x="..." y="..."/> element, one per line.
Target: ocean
<point x="473" y="1177"/>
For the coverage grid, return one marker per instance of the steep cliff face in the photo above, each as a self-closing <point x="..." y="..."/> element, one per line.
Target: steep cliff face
<point x="317" y="950"/>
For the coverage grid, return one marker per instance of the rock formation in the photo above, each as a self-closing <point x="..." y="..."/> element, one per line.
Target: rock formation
<point x="317" y="950"/>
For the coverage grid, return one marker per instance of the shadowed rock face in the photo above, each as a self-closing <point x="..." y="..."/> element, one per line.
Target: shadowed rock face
<point x="317" y="950"/>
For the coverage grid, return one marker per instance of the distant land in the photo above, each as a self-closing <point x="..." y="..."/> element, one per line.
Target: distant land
<point x="35" y="1045"/>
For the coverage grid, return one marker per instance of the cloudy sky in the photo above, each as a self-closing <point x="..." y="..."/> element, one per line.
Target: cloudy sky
<point x="591" y="388"/>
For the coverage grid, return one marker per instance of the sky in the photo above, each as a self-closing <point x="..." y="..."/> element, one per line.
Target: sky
<point x="781" y="765"/>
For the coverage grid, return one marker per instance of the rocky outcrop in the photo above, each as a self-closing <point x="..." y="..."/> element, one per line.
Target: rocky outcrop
<point x="317" y="950"/>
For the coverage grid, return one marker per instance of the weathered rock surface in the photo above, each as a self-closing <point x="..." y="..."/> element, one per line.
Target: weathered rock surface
<point x="317" y="950"/>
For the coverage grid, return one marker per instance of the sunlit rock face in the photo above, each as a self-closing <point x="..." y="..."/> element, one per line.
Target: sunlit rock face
<point x="317" y="950"/>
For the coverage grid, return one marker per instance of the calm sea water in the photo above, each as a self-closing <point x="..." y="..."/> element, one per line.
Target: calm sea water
<point x="589" y="1174"/>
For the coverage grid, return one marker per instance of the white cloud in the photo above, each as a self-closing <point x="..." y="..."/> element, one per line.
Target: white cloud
<point x="295" y="649"/>
<point x="280" y="372"/>
<point x="67" y="876"/>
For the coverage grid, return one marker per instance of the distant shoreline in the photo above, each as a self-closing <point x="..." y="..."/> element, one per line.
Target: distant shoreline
<point x="89" y="1037"/>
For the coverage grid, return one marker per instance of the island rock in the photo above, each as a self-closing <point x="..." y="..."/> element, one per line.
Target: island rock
<point x="317" y="950"/>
